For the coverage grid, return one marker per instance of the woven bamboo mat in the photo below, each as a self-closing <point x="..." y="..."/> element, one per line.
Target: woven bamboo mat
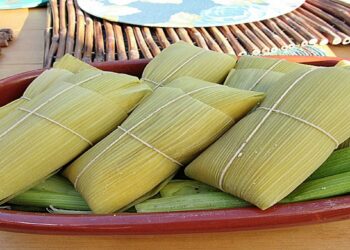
<point x="71" y="30"/>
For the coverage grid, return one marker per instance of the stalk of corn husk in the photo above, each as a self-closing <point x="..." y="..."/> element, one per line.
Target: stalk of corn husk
<point x="260" y="74"/>
<point x="165" y="132"/>
<point x="346" y="65"/>
<point x="270" y="152"/>
<point x="73" y="64"/>
<point x="183" y="59"/>
<point x="59" y="124"/>
<point x="41" y="83"/>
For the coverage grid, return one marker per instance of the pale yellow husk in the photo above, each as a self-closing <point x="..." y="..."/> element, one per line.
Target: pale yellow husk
<point x="346" y="65"/>
<point x="183" y="59"/>
<point x="265" y="157"/>
<point x="73" y="64"/>
<point x="179" y="121"/>
<point x="41" y="83"/>
<point x="260" y="74"/>
<point x="69" y="117"/>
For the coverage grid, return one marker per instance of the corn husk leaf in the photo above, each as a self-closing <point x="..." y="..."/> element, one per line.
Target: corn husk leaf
<point x="61" y="123"/>
<point x="40" y="84"/>
<point x="267" y="155"/>
<point x="260" y="74"/>
<point x="73" y="64"/>
<point x="183" y="59"/>
<point x="179" y="121"/>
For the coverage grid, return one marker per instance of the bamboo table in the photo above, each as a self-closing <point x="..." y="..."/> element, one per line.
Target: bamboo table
<point x="26" y="53"/>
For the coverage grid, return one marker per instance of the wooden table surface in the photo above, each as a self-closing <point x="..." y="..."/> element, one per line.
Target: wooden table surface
<point x="26" y="53"/>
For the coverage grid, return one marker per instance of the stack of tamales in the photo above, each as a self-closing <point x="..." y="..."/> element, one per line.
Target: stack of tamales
<point x="274" y="149"/>
<point x="259" y="74"/>
<point x="55" y="126"/>
<point x="183" y="59"/>
<point x="163" y="133"/>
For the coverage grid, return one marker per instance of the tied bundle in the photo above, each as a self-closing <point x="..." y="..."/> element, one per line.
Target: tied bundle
<point x="165" y="132"/>
<point x="183" y="59"/>
<point x="260" y="74"/>
<point x="57" y="125"/>
<point x="41" y="83"/>
<point x="274" y="149"/>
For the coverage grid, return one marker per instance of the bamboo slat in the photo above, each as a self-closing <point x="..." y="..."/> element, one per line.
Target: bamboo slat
<point x="93" y="39"/>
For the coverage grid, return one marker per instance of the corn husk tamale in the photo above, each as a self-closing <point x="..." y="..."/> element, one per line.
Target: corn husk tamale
<point x="259" y="74"/>
<point x="274" y="149"/>
<point x="163" y="133"/>
<point x="346" y="65"/>
<point x="73" y="64"/>
<point x="41" y="83"/>
<point x="57" y="125"/>
<point x="183" y="59"/>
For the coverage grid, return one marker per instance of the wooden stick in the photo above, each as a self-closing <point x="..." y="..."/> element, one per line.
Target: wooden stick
<point x="251" y="47"/>
<point x="236" y="46"/>
<point x="132" y="44"/>
<point x="329" y="18"/>
<point x="197" y="37"/>
<point x="89" y="39"/>
<point x="162" y="39"/>
<point x="184" y="35"/>
<point x="335" y="9"/>
<point x="110" y="41"/>
<point x="172" y="34"/>
<point x="261" y="45"/>
<point x="275" y="28"/>
<point x="119" y="40"/>
<point x="63" y="29"/>
<point x="80" y="32"/>
<point x="150" y="42"/>
<point x="209" y="40"/>
<point x="300" y="30"/>
<point x="264" y="38"/>
<point x="142" y="43"/>
<point x="55" y="33"/>
<point x="99" y="43"/>
<point x="47" y="34"/>
<point x="222" y="40"/>
<point x="296" y="36"/>
<point x="273" y="36"/>
<point x="71" y="27"/>
<point x="322" y="40"/>
<point x="331" y="33"/>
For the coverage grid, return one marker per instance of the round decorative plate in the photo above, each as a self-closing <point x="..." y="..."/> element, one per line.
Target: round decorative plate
<point x="187" y="13"/>
<point x="18" y="4"/>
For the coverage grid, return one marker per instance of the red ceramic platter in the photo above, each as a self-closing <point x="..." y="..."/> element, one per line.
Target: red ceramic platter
<point x="336" y="208"/>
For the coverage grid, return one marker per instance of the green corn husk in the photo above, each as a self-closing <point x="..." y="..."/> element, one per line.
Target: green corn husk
<point x="185" y="187"/>
<point x="73" y="64"/>
<point x="88" y="105"/>
<point x="260" y="74"/>
<point x="40" y="84"/>
<point x="203" y="201"/>
<point x="266" y="155"/>
<point x="44" y="199"/>
<point x="56" y="184"/>
<point x="337" y="163"/>
<point x="180" y="120"/>
<point x="183" y="59"/>
<point x="321" y="188"/>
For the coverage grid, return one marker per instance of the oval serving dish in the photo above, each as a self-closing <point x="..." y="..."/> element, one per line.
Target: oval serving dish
<point x="173" y="222"/>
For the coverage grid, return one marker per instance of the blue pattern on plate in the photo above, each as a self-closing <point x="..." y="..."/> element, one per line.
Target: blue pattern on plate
<point x="18" y="4"/>
<point x="187" y="13"/>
